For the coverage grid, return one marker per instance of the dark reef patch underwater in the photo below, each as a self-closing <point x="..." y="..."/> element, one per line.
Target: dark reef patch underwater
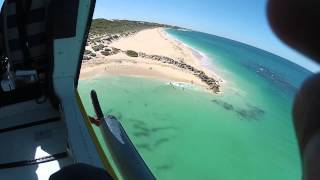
<point x="249" y="113"/>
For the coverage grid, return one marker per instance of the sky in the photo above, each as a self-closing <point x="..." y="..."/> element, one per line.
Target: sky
<point x="240" y="20"/>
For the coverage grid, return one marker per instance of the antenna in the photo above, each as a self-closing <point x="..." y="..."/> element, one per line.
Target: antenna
<point x="96" y="105"/>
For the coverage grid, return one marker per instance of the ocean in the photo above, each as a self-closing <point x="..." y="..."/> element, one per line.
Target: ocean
<point x="183" y="132"/>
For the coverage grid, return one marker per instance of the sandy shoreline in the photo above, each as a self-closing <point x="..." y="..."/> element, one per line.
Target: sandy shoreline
<point x="150" y="41"/>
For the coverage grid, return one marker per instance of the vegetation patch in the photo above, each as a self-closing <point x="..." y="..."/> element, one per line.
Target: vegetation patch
<point x="98" y="47"/>
<point x="104" y="26"/>
<point x="132" y="53"/>
<point x="106" y="53"/>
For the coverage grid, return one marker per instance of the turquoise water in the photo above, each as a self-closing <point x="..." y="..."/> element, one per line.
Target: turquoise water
<point x="185" y="133"/>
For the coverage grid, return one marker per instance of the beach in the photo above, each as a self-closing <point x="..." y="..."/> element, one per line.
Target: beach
<point x="152" y="42"/>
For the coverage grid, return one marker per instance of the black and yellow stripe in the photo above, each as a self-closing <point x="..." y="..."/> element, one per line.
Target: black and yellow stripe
<point x="106" y="162"/>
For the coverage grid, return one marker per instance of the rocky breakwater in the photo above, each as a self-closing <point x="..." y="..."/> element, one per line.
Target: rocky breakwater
<point x="212" y="83"/>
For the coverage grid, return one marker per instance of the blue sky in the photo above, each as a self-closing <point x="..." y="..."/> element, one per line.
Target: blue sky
<point x="241" y="20"/>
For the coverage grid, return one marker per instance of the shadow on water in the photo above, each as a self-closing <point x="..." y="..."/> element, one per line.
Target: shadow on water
<point x="141" y="127"/>
<point x="164" y="167"/>
<point x="137" y="121"/>
<point x="250" y="113"/>
<point x="156" y="129"/>
<point x="150" y="146"/>
<point x="141" y="134"/>
<point x="161" y="141"/>
<point x="144" y="130"/>
<point x="144" y="146"/>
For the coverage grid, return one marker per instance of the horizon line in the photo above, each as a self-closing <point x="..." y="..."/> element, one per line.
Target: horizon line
<point x="228" y="38"/>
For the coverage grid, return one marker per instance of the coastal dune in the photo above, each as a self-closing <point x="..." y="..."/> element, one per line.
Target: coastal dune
<point x="155" y="41"/>
<point x="152" y="42"/>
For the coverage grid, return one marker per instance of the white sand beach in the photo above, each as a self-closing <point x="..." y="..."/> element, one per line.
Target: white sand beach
<point x="149" y="41"/>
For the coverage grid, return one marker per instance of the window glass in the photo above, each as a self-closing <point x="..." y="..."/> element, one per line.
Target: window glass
<point x="204" y="89"/>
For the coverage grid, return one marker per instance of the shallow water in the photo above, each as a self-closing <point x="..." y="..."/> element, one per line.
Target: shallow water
<point x="186" y="133"/>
